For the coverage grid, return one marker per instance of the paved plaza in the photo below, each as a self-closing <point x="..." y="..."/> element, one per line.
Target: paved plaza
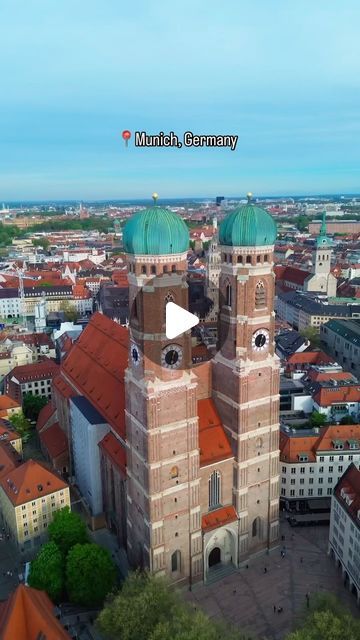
<point x="247" y="597"/>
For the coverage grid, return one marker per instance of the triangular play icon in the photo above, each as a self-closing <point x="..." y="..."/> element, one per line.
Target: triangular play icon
<point x="178" y="320"/>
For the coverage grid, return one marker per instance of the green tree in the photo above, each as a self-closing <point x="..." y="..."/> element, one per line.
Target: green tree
<point x="21" y="424"/>
<point x="146" y="607"/>
<point x="312" y="334"/>
<point x="41" y="242"/>
<point x="90" y="574"/>
<point x="67" y="529"/>
<point x="69" y="309"/>
<point x="327" y="619"/>
<point x="317" y="419"/>
<point x="302" y="222"/>
<point x="32" y="405"/>
<point x="46" y="571"/>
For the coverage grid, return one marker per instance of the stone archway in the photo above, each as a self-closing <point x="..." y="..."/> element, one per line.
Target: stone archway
<point x="220" y="551"/>
<point x="214" y="556"/>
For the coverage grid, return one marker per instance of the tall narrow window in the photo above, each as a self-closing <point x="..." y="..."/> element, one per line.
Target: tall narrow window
<point x="228" y="295"/>
<point x="255" y="528"/>
<point x="214" y="490"/>
<point x="260" y="295"/>
<point x="176" y="561"/>
<point x="143" y="269"/>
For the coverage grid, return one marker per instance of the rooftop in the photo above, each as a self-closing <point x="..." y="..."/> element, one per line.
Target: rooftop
<point x="29" y="613"/>
<point x="213" y="442"/>
<point x="30" y="481"/>
<point x="88" y="410"/>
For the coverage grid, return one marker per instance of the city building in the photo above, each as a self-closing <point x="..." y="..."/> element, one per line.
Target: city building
<point x="336" y="226"/>
<point x="8" y="407"/>
<point x="29" y="496"/>
<point x="29" y="613"/>
<point x="321" y="278"/>
<point x="342" y="340"/>
<point x="8" y="435"/>
<point x="313" y="460"/>
<point x="31" y="378"/>
<point x="344" y="534"/>
<point x="189" y="463"/>
<point x="302" y="309"/>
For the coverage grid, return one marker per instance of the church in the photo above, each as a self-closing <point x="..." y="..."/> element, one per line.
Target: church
<point x="181" y="460"/>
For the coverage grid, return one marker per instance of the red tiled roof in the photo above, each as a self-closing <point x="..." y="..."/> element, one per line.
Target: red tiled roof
<point x="213" y="443"/>
<point x="29" y="481"/>
<point x="309" y="357"/>
<point x="29" y="614"/>
<point x="347" y="492"/>
<point x="8" y="403"/>
<point x="45" y="415"/>
<point x="328" y="396"/>
<point x="8" y="459"/>
<point x="291" y="446"/>
<point x="54" y="440"/>
<point x="318" y="376"/>
<point x="41" y="370"/>
<point x="113" y="448"/>
<point x="218" y="518"/>
<point x="291" y="274"/>
<point x="96" y="366"/>
<point x="64" y="388"/>
<point x="7" y="432"/>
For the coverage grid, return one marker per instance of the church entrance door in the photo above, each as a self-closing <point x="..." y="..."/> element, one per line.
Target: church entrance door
<point x="214" y="557"/>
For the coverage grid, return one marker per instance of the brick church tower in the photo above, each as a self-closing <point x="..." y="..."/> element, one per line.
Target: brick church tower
<point x="246" y="373"/>
<point x="163" y="484"/>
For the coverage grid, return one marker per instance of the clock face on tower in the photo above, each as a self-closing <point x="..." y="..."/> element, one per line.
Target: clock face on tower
<point x="135" y="354"/>
<point x="171" y="356"/>
<point x="260" y="340"/>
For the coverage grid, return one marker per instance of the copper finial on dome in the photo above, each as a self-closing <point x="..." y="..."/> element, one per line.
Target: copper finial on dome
<point x="155" y="197"/>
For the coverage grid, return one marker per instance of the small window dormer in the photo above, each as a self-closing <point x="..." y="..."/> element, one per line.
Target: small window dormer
<point x="338" y="444"/>
<point x="303" y="457"/>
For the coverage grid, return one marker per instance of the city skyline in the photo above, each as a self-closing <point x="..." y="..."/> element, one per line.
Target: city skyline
<point x="284" y="79"/>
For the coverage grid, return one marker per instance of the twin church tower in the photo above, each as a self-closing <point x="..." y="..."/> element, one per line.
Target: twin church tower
<point x="202" y="441"/>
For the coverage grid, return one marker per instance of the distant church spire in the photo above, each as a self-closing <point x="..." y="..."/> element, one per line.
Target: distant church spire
<point x="322" y="238"/>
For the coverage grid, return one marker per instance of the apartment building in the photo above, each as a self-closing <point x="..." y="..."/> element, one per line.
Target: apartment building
<point x="344" y="533"/>
<point x="29" y="496"/>
<point x="313" y="460"/>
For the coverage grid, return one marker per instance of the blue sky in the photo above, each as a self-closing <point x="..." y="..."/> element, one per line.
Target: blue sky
<point x="283" y="76"/>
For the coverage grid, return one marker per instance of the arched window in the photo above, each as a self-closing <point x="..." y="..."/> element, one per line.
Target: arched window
<point x="259" y="443"/>
<point x="260" y="296"/>
<point x="254" y="528"/>
<point x="239" y="259"/>
<point x="176" y="561"/>
<point x="168" y="298"/>
<point x="248" y="259"/>
<point x="214" y="490"/>
<point x="134" y="310"/>
<point x="143" y="269"/>
<point x="173" y="268"/>
<point x="174" y="472"/>
<point x="153" y="269"/>
<point x="228" y="295"/>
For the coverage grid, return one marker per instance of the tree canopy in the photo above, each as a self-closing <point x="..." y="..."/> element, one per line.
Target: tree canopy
<point x="90" y="574"/>
<point x="317" y="419"/>
<point x="32" y="405"/>
<point x="46" y="571"/>
<point x="67" y="529"/>
<point x="327" y="620"/>
<point x="146" y="607"/>
<point x="21" y="424"/>
<point x="69" y="309"/>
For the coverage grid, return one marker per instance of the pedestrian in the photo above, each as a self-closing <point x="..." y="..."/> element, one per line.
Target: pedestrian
<point x="301" y="560"/>
<point x="280" y="609"/>
<point x="265" y="570"/>
<point x="274" y="608"/>
<point x="234" y="591"/>
<point x="247" y="566"/>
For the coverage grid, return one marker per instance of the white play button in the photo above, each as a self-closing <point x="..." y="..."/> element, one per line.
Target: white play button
<point x="178" y="320"/>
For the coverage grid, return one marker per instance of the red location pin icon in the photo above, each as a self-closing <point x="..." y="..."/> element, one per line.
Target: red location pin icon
<point x="126" y="134"/>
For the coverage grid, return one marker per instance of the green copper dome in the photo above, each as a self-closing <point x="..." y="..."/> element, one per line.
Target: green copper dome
<point x="155" y="231"/>
<point x="248" y="226"/>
